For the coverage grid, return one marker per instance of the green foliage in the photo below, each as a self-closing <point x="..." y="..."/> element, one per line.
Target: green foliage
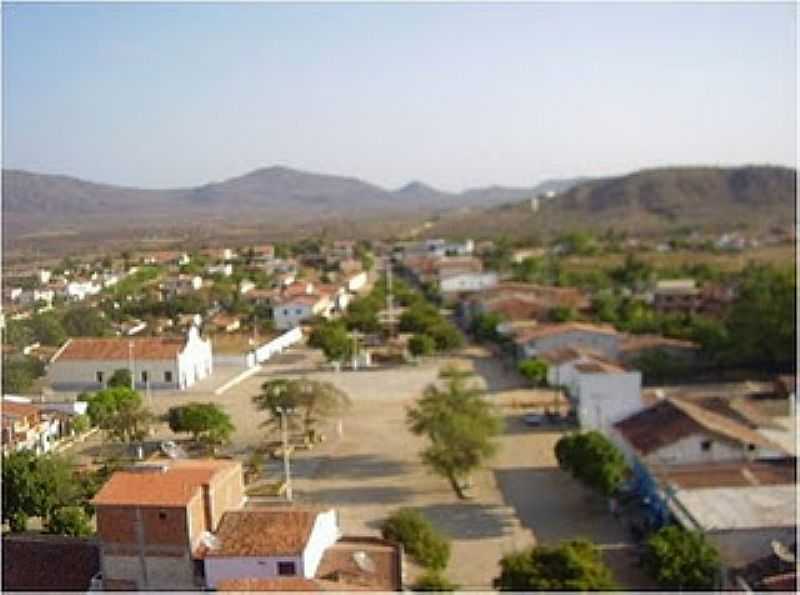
<point x="420" y="540"/>
<point x="424" y="318"/>
<point x="634" y="272"/>
<point x="592" y="459"/>
<point x="332" y="338"/>
<point x="36" y="486"/>
<point x="69" y="520"/>
<point x="421" y="345"/>
<point x="18" y="333"/>
<point x="500" y="258"/>
<point x="120" y="378"/>
<point x="434" y="580"/>
<point x="206" y="422"/>
<point x="658" y="366"/>
<point x="678" y="559"/>
<point x="484" y="326"/>
<point x="85" y="321"/>
<point x="460" y="426"/>
<point x="120" y="412"/>
<point x="311" y="399"/>
<point x="47" y="329"/>
<point x="578" y="243"/>
<point x="81" y="424"/>
<point x="534" y="370"/>
<point x="362" y="315"/>
<point x="19" y="373"/>
<point x="561" y="314"/>
<point x="761" y="324"/>
<point x="572" y="566"/>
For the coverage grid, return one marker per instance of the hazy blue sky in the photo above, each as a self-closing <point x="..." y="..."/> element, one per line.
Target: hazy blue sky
<point x="454" y="95"/>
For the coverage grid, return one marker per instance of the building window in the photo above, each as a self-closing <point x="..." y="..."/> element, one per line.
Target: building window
<point x="168" y="376"/>
<point x="144" y="377"/>
<point x="705" y="445"/>
<point x="751" y="447"/>
<point x="100" y="377"/>
<point x="162" y="515"/>
<point x="286" y="312"/>
<point x="298" y="311"/>
<point x="286" y="569"/>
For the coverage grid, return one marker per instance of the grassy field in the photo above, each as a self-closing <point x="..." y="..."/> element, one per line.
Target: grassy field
<point x="782" y="255"/>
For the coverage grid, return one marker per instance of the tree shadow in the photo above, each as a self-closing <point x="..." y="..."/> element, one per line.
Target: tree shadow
<point x="465" y="520"/>
<point x="357" y="467"/>
<point x="359" y="496"/>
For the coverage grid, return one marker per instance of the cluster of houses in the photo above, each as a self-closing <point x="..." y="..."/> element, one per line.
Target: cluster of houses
<point x="37" y="427"/>
<point x="188" y="525"/>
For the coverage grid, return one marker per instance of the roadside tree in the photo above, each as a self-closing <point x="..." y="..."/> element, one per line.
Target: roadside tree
<point x="592" y="459"/>
<point x="534" y="370"/>
<point x="206" y="422"/>
<point x="679" y="560"/>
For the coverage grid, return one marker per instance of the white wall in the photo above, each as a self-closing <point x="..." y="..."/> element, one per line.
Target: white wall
<point x="289" y="315"/>
<point x="607" y="398"/>
<point x="689" y="450"/>
<point x="323" y="535"/>
<point x="228" y="568"/>
<point x="468" y="282"/>
<point x="82" y="374"/>
<point x="607" y="345"/>
<point x="277" y="345"/>
<point x="195" y="361"/>
<point x="356" y="282"/>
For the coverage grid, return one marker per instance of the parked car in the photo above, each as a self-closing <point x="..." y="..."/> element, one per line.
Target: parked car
<point x="533" y="419"/>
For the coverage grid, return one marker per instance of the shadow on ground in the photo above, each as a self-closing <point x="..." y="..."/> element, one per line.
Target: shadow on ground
<point x="465" y="520"/>
<point x="359" y="496"/>
<point x="357" y="467"/>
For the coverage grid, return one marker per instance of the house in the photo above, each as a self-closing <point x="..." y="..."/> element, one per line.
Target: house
<point x="155" y="362"/>
<point x="182" y="284"/>
<point x="291" y="311"/>
<point x="80" y="290"/>
<point x="24" y="428"/>
<point x="224" y="269"/>
<point x="49" y="563"/>
<point x="677" y="296"/>
<point x="524" y="301"/>
<point x="152" y="520"/>
<point x="225" y="323"/>
<point x="245" y="286"/>
<point x="602" y="339"/>
<point x="44" y="276"/>
<point x="467" y="282"/>
<point x="356" y="281"/>
<point x="184" y="524"/>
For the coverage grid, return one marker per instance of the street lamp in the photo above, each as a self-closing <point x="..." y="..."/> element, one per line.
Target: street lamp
<point x="283" y="412"/>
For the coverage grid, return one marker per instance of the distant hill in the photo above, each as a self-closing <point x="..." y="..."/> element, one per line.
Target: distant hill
<point x="650" y="200"/>
<point x="271" y="197"/>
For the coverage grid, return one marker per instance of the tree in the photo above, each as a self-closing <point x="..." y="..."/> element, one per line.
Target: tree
<point x="19" y="373"/>
<point x="333" y="339"/>
<point x="420" y="540"/>
<point x="592" y="459"/>
<point x="47" y="329"/>
<point x="484" y="326"/>
<point x="561" y="314"/>
<point x="81" y="424"/>
<point x="571" y="566"/>
<point x="69" y="520"/>
<point x="534" y="370"/>
<point x="206" y="422"/>
<point x="678" y="559"/>
<point x="120" y="412"/>
<point x="120" y="378"/>
<point x="421" y="345"/>
<point x="434" y="580"/>
<point x="460" y="426"/>
<point x="311" y="398"/>
<point x="445" y="336"/>
<point x="362" y="315"/>
<point x="85" y="321"/>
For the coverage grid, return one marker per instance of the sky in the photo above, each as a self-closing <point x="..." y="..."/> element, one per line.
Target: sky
<point x="455" y="95"/>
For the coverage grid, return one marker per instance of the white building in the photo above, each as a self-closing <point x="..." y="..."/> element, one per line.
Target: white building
<point x="293" y="311"/>
<point x="80" y="290"/>
<point x="224" y="269"/>
<point x="263" y="544"/>
<point x="467" y="282"/>
<point x="357" y="281"/>
<point x="245" y="286"/>
<point x="157" y="363"/>
<point x="44" y="276"/>
<point x="601" y="339"/>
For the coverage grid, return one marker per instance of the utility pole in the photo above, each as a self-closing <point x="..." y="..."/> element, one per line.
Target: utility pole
<point x="285" y="439"/>
<point x="389" y="297"/>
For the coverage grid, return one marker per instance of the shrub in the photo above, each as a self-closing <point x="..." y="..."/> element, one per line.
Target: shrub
<point x="421" y="345"/>
<point x="69" y="520"/>
<point x="680" y="559"/>
<point x="434" y="580"/>
<point x="419" y="538"/>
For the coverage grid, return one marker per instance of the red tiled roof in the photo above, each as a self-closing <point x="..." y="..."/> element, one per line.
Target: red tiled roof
<point x="730" y="474"/>
<point x="10" y="408"/>
<point x="288" y="583"/>
<point x="151" y="348"/>
<point x="549" y="330"/>
<point x="176" y="486"/>
<point x="271" y="532"/>
<point x="640" y="342"/>
<point x="518" y="308"/>
<point x="597" y="365"/>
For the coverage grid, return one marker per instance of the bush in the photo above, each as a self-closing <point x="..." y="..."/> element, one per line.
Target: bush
<point x="680" y="559"/>
<point x="421" y="345"/>
<point x="419" y="538"/>
<point x="534" y="370"/>
<point x="592" y="459"/>
<point x="434" y="580"/>
<point x="69" y="520"/>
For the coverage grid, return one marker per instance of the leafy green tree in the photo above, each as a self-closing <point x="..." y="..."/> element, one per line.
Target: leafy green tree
<point x="120" y="412"/>
<point x="561" y="314"/>
<point x="446" y="336"/>
<point x="534" y="370"/>
<point x="571" y="566"/>
<point x="20" y="372"/>
<point x="762" y="323"/>
<point x="484" y="326"/>
<point x="421" y="345"/>
<point x="419" y="538"/>
<point x="85" y="321"/>
<point x="69" y="520"/>
<point x="47" y="329"/>
<point x="362" y="315"/>
<point x="81" y="424"/>
<point x="460" y="426"/>
<point x="311" y="399"/>
<point x="333" y="340"/>
<point x="18" y="333"/>
<point x="206" y="422"/>
<point x="419" y="318"/>
<point x="592" y="459"/>
<point x="434" y="580"/>
<point x="659" y="366"/>
<point x="120" y="378"/>
<point x="679" y="560"/>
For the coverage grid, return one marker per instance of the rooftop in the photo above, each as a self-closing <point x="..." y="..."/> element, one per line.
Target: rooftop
<point x="551" y="330"/>
<point x="729" y="474"/>
<point x="273" y="532"/>
<point x="35" y="562"/>
<point x="151" y="348"/>
<point x="171" y="483"/>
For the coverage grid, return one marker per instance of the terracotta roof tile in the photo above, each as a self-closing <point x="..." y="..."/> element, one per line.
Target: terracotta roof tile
<point x="49" y="562"/>
<point x="339" y="566"/>
<point x="270" y="584"/>
<point x="155" y="348"/>
<point x="176" y="486"/>
<point x="263" y="532"/>
<point x="12" y="409"/>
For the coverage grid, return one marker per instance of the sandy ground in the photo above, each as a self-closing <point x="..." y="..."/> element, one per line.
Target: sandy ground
<point x="373" y="467"/>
